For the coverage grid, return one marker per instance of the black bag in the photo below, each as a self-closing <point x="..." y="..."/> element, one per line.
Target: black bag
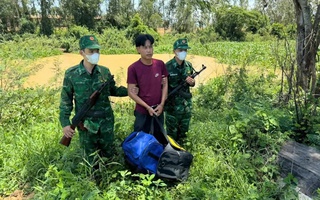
<point x="174" y="162"/>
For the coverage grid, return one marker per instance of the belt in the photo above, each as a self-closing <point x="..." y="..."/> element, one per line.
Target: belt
<point x="96" y="114"/>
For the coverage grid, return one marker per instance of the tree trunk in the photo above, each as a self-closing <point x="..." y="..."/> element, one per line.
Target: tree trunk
<point x="306" y="45"/>
<point x="46" y="27"/>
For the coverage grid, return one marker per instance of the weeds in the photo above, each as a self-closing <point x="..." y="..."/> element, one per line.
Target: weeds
<point x="235" y="135"/>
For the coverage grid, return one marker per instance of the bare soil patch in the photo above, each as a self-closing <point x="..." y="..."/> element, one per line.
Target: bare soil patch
<point x="52" y="68"/>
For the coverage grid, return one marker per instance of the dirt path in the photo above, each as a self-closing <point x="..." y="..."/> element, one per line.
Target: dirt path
<point x="53" y="67"/>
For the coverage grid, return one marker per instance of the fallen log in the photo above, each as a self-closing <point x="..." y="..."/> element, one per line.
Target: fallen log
<point x="303" y="162"/>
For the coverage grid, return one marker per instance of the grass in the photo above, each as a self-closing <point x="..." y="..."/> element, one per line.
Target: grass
<point x="233" y="136"/>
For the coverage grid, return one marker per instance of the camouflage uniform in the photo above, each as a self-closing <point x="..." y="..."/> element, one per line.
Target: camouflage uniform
<point x="178" y="106"/>
<point x="78" y="85"/>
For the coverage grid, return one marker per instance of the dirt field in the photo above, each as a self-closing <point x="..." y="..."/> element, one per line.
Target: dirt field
<point x="117" y="64"/>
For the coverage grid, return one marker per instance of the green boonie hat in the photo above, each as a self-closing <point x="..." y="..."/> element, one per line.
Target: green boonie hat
<point x="89" y="42"/>
<point x="181" y="44"/>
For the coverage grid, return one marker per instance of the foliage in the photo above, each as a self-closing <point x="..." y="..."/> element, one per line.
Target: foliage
<point x="136" y="27"/>
<point x="183" y="23"/>
<point x="230" y="23"/>
<point x="233" y="23"/>
<point x="278" y="30"/>
<point x="46" y="26"/>
<point x="119" y="13"/>
<point x="149" y="14"/>
<point x="256" y="21"/>
<point x="84" y="14"/>
<point x="208" y="35"/>
<point x="77" y="31"/>
<point x="226" y="166"/>
<point x="114" y="41"/>
<point x="236" y="131"/>
<point x="27" y="27"/>
<point x="244" y="131"/>
<point x="177" y="16"/>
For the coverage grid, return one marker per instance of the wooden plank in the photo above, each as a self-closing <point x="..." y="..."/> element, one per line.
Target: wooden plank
<point x="304" y="163"/>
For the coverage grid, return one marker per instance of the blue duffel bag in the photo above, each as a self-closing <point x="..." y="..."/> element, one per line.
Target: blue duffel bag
<point x="142" y="151"/>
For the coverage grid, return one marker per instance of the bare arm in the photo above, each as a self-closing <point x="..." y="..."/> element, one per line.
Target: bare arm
<point x="159" y="108"/>
<point x="133" y="95"/>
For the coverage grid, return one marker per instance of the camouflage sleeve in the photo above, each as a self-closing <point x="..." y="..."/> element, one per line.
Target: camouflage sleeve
<point x="66" y="104"/>
<point x="117" y="91"/>
<point x="191" y="67"/>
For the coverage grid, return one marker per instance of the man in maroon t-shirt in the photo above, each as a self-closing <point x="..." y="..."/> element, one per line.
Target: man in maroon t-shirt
<point x="150" y="76"/>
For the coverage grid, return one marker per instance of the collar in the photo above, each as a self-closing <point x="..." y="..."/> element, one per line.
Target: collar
<point x="176" y="64"/>
<point x="83" y="70"/>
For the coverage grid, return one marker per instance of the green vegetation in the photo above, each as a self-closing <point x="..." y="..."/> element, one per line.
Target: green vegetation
<point x="237" y="129"/>
<point x="239" y="120"/>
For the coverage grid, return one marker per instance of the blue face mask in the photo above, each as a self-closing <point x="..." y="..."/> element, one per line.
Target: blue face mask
<point x="94" y="58"/>
<point x="182" y="55"/>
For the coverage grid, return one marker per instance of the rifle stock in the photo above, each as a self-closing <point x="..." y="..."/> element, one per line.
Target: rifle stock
<point x="65" y="140"/>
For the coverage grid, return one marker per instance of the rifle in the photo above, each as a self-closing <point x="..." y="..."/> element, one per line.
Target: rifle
<point x="84" y="110"/>
<point x="184" y="83"/>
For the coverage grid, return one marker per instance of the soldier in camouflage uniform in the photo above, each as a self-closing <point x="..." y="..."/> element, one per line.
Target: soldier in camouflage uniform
<point x="80" y="81"/>
<point x="178" y="105"/>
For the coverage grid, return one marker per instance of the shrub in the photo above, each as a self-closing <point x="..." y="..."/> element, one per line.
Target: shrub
<point x="27" y="27"/>
<point x="77" y="31"/>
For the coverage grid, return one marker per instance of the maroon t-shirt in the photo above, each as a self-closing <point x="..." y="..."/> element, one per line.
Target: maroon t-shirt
<point x="148" y="78"/>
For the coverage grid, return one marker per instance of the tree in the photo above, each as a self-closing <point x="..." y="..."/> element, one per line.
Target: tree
<point x="184" y="18"/>
<point x="119" y="13"/>
<point x="9" y="15"/>
<point x="150" y="14"/>
<point x="301" y="74"/>
<point x="279" y="11"/>
<point x="83" y="13"/>
<point x="307" y="19"/>
<point x="231" y="22"/>
<point x="308" y="38"/>
<point x="137" y="27"/>
<point x="46" y="27"/>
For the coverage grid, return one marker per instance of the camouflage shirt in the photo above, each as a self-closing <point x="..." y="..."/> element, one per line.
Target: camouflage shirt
<point x="179" y="102"/>
<point x="78" y="85"/>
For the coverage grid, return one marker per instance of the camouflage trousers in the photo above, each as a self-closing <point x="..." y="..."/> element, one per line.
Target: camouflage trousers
<point x="100" y="140"/>
<point x="177" y="124"/>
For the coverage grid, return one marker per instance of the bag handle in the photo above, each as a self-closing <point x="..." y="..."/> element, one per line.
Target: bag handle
<point x="164" y="133"/>
<point x="169" y="140"/>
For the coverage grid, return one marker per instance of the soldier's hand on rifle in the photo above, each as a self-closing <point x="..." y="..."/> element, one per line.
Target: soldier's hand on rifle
<point x="68" y="131"/>
<point x="190" y="81"/>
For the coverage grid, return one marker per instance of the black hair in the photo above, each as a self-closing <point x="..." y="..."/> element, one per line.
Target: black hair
<point x="142" y="38"/>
